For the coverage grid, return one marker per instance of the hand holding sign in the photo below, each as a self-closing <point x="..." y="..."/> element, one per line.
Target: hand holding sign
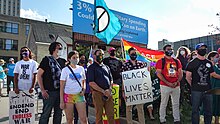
<point x="137" y="86"/>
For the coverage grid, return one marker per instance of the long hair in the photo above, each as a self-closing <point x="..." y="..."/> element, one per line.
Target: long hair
<point x="184" y="48"/>
<point x="30" y="53"/>
<point x="70" y="54"/>
<point x="211" y="54"/>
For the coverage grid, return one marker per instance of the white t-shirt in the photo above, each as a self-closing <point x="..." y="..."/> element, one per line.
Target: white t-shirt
<point x="72" y="86"/>
<point x="25" y="71"/>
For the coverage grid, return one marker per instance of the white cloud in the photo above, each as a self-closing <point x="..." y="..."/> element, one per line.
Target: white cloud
<point x="190" y="22"/>
<point x="33" y="14"/>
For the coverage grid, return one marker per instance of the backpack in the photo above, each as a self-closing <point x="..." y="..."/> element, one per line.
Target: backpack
<point x="163" y="63"/>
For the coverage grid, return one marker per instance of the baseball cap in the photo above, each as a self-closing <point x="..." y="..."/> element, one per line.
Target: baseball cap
<point x="110" y="49"/>
<point x="11" y="59"/>
<point x="200" y="45"/>
<point x="218" y="50"/>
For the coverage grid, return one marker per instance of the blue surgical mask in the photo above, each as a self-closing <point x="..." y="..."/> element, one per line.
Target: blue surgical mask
<point x="215" y="60"/>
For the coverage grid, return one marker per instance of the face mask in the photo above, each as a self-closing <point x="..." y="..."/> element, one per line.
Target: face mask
<point x="182" y="52"/>
<point x="169" y="52"/>
<point x="82" y="61"/>
<point x="215" y="60"/>
<point x="133" y="56"/>
<point x="74" y="62"/>
<point x="194" y="57"/>
<point x="202" y="52"/>
<point x="25" y="54"/>
<point x="99" y="58"/>
<point x="112" y="53"/>
<point x="60" y="52"/>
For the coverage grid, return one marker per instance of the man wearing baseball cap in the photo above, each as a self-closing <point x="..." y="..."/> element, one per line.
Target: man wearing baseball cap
<point x="115" y="66"/>
<point x="198" y="73"/>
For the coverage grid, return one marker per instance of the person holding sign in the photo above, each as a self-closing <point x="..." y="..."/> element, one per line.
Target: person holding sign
<point x="169" y="71"/>
<point x="72" y="89"/>
<point x="133" y="64"/>
<point x="25" y="71"/>
<point x="100" y="81"/>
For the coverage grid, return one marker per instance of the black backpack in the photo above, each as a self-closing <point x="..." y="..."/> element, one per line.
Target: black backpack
<point x="163" y="63"/>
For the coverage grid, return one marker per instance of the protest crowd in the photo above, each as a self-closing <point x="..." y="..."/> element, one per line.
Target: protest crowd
<point x="79" y="82"/>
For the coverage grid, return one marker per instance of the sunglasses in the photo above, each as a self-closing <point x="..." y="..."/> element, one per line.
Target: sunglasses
<point x="60" y="48"/>
<point x="24" y="50"/>
<point x="169" y="49"/>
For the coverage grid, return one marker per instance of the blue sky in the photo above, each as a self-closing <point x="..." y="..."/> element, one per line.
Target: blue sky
<point x="173" y="20"/>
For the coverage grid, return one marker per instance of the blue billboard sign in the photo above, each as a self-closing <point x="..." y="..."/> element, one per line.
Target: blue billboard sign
<point x="133" y="28"/>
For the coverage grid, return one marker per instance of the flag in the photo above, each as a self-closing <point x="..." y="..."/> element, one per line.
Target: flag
<point x="143" y="54"/>
<point x="90" y="54"/>
<point x="107" y="25"/>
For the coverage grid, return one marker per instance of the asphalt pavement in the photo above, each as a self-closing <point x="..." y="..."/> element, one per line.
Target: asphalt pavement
<point x="4" y="112"/>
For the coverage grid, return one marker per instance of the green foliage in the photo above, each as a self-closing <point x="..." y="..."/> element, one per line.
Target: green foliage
<point x="83" y="50"/>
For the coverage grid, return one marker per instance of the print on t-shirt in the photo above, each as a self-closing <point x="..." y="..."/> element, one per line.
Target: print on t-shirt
<point x="114" y="64"/>
<point x="171" y="67"/>
<point x="24" y="74"/>
<point x="203" y="72"/>
<point x="72" y="77"/>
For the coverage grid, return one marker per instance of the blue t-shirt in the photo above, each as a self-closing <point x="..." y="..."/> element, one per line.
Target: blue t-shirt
<point x="2" y="74"/>
<point x="11" y="68"/>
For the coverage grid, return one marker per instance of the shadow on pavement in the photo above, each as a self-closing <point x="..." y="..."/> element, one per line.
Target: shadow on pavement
<point x="3" y="119"/>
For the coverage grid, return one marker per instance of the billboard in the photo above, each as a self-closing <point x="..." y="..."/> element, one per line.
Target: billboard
<point x="133" y="28"/>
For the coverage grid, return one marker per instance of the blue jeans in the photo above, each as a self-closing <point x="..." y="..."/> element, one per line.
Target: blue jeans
<point x="199" y="98"/>
<point x="53" y="102"/>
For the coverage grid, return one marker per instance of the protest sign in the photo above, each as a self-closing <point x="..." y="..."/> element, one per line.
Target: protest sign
<point x="137" y="86"/>
<point x="115" y="96"/>
<point x="21" y="108"/>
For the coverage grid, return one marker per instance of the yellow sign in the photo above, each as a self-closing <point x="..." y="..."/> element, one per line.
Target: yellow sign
<point x="115" y="96"/>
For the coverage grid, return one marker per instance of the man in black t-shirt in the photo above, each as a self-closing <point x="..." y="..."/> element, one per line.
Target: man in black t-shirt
<point x="115" y="66"/>
<point x="49" y="81"/>
<point x="198" y="73"/>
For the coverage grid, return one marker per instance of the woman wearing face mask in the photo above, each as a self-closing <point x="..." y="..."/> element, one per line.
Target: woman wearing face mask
<point x="182" y="55"/>
<point x="25" y="71"/>
<point x="213" y="56"/>
<point x="192" y="56"/>
<point x="72" y="89"/>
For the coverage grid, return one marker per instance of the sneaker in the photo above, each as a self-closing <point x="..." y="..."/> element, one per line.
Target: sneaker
<point x="152" y="118"/>
<point x="177" y="122"/>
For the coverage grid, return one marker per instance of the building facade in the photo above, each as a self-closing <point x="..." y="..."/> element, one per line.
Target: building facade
<point x="212" y="41"/>
<point x="13" y="35"/>
<point x="10" y="7"/>
<point x="163" y="43"/>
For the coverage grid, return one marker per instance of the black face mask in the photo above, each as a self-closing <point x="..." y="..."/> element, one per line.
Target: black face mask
<point x="82" y="61"/>
<point x="169" y="52"/>
<point x="202" y="52"/>
<point x="99" y="58"/>
<point x="112" y="53"/>
<point x="133" y="56"/>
